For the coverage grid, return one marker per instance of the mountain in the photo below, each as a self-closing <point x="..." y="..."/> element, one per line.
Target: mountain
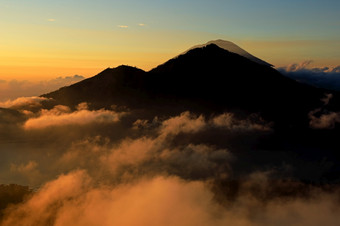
<point x="119" y="86"/>
<point x="205" y="79"/>
<point x="211" y="80"/>
<point x="231" y="47"/>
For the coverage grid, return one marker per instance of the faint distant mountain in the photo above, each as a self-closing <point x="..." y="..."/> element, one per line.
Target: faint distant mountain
<point x="231" y="47"/>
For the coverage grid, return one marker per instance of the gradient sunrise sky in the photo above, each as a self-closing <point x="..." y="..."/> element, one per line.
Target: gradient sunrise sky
<point x="42" y="39"/>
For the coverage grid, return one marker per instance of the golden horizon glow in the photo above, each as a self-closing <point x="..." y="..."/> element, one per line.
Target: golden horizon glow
<point x="39" y="45"/>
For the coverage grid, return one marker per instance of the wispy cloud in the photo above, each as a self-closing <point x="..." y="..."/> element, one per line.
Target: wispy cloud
<point x="123" y="26"/>
<point x="23" y="102"/>
<point x="51" y="20"/>
<point x="14" y="89"/>
<point x="141" y="25"/>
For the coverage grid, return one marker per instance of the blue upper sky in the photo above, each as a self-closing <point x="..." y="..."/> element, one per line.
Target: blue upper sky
<point x="261" y="18"/>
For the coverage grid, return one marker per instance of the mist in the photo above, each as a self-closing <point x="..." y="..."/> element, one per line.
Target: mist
<point x="107" y="166"/>
<point x="12" y="89"/>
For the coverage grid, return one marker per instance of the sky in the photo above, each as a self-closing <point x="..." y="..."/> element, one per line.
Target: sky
<point x="43" y="39"/>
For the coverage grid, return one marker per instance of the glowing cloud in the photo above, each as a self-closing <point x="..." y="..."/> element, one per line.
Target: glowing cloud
<point x="123" y="26"/>
<point x="60" y="116"/>
<point x="23" y="102"/>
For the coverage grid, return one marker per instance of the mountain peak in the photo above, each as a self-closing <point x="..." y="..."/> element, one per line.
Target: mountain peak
<point x="231" y="47"/>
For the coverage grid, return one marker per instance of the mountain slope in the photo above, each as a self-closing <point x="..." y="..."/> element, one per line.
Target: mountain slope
<point x="227" y="80"/>
<point x="111" y="86"/>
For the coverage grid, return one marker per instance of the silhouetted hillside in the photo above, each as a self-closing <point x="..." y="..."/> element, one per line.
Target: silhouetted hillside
<point x="203" y="79"/>
<point x="120" y="86"/>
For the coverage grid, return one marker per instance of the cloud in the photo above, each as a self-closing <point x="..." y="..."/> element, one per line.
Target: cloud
<point x="27" y="170"/>
<point x="327" y="98"/>
<point x="296" y="67"/>
<point x="189" y="123"/>
<point x="141" y="25"/>
<point x="23" y="102"/>
<point x="325" y="77"/>
<point x="123" y="26"/>
<point x="51" y="20"/>
<point x="14" y="89"/>
<point x="72" y="198"/>
<point x="76" y="199"/>
<point x="61" y="115"/>
<point x="103" y="167"/>
<point x="31" y="165"/>
<point x="325" y="120"/>
<point x="228" y="121"/>
<point x="185" y="123"/>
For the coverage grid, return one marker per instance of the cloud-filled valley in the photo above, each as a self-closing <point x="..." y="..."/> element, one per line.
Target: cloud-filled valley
<point x="107" y="167"/>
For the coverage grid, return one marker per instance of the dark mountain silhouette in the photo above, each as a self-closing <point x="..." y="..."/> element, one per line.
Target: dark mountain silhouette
<point x="211" y="80"/>
<point x="120" y="86"/>
<point x="204" y="79"/>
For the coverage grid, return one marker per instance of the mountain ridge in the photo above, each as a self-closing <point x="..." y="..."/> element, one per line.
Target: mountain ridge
<point x="206" y="79"/>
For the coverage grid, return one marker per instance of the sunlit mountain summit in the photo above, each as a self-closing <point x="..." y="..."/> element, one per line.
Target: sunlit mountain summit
<point x="232" y="47"/>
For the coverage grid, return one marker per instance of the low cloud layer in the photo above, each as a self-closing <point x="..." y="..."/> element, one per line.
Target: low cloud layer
<point x="325" y="77"/>
<point x="76" y="199"/>
<point x="104" y="167"/>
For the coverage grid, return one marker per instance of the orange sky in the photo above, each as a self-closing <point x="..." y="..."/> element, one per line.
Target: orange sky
<point x="44" y="40"/>
<point x="38" y="63"/>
